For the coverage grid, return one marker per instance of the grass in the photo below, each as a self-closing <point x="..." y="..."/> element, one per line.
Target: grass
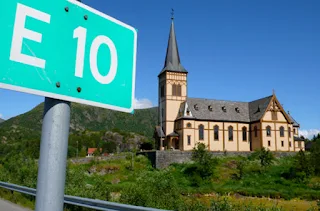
<point x="18" y="198"/>
<point x="256" y="188"/>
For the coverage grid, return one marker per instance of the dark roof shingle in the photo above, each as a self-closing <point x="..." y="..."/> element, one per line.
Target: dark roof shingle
<point x="217" y="113"/>
<point x="295" y="123"/>
<point x="172" y="61"/>
<point x="233" y="111"/>
<point x="159" y="132"/>
<point x="258" y="107"/>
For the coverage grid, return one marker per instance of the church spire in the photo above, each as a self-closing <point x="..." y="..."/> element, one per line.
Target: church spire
<point x="172" y="62"/>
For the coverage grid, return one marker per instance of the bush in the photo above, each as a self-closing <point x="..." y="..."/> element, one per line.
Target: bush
<point x="265" y="156"/>
<point x="314" y="157"/>
<point x="156" y="189"/>
<point x="301" y="168"/>
<point x="240" y="166"/>
<point x="204" y="163"/>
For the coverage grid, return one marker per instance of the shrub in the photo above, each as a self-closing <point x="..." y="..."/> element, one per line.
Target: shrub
<point x="301" y="169"/>
<point x="265" y="156"/>
<point x="314" y="157"/>
<point x="240" y="166"/>
<point x="204" y="163"/>
<point x="156" y="189"/>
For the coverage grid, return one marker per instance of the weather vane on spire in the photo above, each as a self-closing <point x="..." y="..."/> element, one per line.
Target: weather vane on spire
<point x="172" y="14"/>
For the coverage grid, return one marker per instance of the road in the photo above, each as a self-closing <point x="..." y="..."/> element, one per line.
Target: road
<point x="9" y="206"/>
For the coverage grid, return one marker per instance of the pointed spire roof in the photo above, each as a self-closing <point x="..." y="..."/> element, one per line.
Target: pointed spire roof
<point x="172" y="62"/>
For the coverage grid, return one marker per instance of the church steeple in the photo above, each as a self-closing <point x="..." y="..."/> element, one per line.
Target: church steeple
<point x="172" y="62"/>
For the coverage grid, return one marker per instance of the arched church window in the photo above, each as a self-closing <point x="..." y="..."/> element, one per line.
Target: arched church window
<point x="268" y="131"/>
<point x="162" y="91"/>
<point x="255" y="131"/>
<point x="230" y="131"/>
<point x="289" y="132"/>
<point x="201" y="131"/>
<point x="178" y="90"/>
<point x="244" y="134"/>
<point x="281" y="131"/>
<point x="216" y="132"/>
<point x="174" y="90"/>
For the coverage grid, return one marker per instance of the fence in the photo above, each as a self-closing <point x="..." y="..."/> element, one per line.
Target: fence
<point x="82" y="202"/>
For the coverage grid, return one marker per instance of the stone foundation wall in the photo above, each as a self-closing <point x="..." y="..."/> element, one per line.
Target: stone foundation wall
<point x="162" y="159"/>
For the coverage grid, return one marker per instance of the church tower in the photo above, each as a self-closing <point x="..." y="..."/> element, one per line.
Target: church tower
<point x="172" y="86"/>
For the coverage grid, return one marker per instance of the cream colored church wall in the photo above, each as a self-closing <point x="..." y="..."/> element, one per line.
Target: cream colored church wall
<point x="243" y="145"/>
<point x="266" y="139"/>
<point x="280" y="117"/>
<point x="216" y="145"/>
<point x="188" y="132"/>
<point x="255" y="140"/>
<point x="296" y="131"/>
<point x="283" y="139"/>
<point x="171" y="112"/>
<point x="205" y="132"/>
<point x="230" y="145"/>
<point x="290" y="138"/>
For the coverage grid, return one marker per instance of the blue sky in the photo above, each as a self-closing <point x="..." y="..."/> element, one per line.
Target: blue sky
<point x="233" y="50"/>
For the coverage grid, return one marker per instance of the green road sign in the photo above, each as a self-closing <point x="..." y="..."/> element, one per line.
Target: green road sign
<point x="66" y="50"/>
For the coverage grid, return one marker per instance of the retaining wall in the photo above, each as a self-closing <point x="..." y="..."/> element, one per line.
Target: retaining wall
<point x="162" y="159"/>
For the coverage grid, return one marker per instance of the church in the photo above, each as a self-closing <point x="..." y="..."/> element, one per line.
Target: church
<point x="221" y="125"/>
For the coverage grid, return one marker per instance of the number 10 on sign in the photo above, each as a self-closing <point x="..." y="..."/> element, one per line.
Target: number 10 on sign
<point x="81" y="34"/>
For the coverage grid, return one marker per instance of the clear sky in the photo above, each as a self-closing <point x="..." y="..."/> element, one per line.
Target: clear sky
<point x="233" y="50"/>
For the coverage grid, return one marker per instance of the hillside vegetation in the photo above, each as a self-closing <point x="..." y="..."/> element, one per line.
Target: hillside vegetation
<point x="83" y="118"/>
<point x="259" y="182"/>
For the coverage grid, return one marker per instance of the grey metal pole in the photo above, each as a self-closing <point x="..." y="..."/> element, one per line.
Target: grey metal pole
<point x="53" y="155"/>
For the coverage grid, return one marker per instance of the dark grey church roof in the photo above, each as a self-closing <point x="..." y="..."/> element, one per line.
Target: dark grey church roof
<point x="222" y="110"/>
<point x="172" y="62"/>
<point x="258" y="107"/>
<point x="295" y="123"/>
<point x="173" y="134"/>
<point x="159" y="132"/>
<point x="217" y="113"/>
<point x="296" y="138"/>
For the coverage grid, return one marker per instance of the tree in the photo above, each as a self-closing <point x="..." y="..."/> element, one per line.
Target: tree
<point x="315" y="156"/>
<point x="83" y="152"/>
<point x="302" y="166"/>
<point x="265" y="156"/>
<point x="97" y="152"/>
<point x="204" y="162"/>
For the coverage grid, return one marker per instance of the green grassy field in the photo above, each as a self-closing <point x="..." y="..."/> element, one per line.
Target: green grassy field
<point x="133" y="181"/>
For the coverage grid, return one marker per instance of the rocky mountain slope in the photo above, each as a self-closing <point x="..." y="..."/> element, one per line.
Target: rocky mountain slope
<point x="83" y="118"/>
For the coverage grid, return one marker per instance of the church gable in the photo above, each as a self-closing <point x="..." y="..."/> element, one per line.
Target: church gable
<point x="275" y="112"/>
<point x="184" y="111"/>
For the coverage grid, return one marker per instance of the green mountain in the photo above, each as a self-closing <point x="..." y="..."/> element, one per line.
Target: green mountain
<point x="83" y="118"/>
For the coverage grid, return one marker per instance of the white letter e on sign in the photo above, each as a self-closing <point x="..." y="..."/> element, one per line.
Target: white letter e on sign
<point x="20" y="32"/>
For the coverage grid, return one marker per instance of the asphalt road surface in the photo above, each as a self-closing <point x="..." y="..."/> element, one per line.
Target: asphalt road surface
<point x="9" y="206"/>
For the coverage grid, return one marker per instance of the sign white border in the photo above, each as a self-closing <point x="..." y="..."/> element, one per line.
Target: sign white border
<point x="82" y="101"/>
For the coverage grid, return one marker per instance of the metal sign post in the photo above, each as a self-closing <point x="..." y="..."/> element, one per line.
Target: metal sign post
<point x="53" y="155"/>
